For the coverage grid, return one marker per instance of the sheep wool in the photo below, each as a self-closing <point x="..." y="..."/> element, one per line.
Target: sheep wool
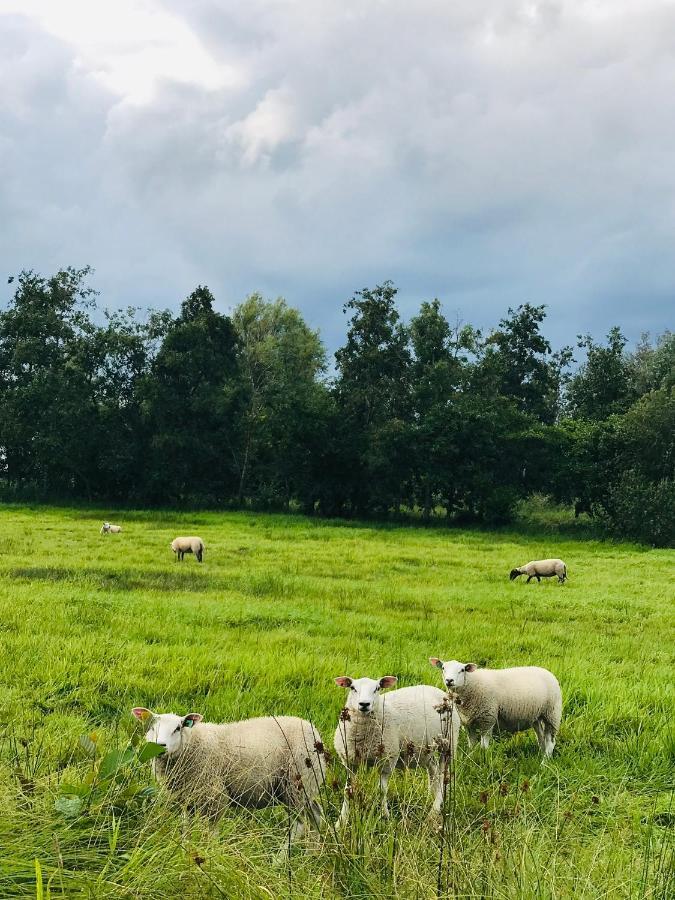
<point x="107" y="528"/>
<point x="183" y="545"/>
<point x="401" y="729"/>
<point x="541" y="568"/>
<point x="252" y="763"/>
<point x="509" y="700"/>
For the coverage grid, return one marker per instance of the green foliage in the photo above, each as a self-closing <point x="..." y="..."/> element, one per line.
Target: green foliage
<point x="92" y="626"/>
<point x="519" y="364"/>
<point x="116" y="781"/>
<point x="604" y="384"/>
<point x="190" y="398"/>
<point x="641" y="509"/>
<point x="280" y="360"/>
<point x="420" y="417"/>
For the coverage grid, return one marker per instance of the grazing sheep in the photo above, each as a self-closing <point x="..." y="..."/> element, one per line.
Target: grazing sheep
<point x="541" y="568"/>
<point x="510" y="699"/>
<point x="402" y="729"/>
<point x="183" y="545"/>
<point x="107" y="528"/>
<point x="252" y="763"/>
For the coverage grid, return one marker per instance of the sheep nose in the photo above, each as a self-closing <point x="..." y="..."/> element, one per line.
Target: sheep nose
<point x="364" y="707"/>
<point x="449" y="681"/>
<point x="160" y="744"/>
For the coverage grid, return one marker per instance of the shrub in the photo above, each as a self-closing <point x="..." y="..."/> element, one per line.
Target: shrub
<point x="641" y="509"/>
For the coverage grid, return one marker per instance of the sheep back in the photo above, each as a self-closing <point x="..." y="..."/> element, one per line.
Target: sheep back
<point x="545" y="568"/>
<point x="513" y="698"/>
<point x="253" y="763"/>
<point x="404" y="727"/>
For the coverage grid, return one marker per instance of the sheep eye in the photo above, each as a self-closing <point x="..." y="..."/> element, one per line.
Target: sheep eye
<point x="177" y="728"/>
<point x="352" y="688"/>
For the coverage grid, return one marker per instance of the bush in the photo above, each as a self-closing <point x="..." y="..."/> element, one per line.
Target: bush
<point x="641" y="509"/>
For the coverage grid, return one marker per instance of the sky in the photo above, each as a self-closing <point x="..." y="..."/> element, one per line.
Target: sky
<point x="485" y="152"/>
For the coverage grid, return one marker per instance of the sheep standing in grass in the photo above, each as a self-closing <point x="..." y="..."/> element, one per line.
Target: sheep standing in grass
<point x="183" y="545"/>
<point x="508" y="699"/>
<point x="541" y="568"/>
<point x="107" y="528"/>
<point x="252" y="763"/>
<point x="402" y="728"/>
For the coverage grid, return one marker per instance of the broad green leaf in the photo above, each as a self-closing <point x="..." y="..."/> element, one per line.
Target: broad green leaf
<point x="69" y="806"/>
<point x="150" y="751"/>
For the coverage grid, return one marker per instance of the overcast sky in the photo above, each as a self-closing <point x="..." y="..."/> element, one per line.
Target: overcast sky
<point x="486" y="152"/>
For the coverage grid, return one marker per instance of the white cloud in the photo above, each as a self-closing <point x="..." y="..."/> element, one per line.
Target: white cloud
<point x="490" y="152"/>
<point x="129" y="46"/>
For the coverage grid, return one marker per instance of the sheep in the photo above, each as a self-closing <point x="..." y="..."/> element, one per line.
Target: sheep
<point x="183" y="545"/>
<point x="541" y="568"/>
<point x="402" y="729"/>
<point x="510" y="699"/>
<point x="251" y="763"/>
<point x="107" y="528"/>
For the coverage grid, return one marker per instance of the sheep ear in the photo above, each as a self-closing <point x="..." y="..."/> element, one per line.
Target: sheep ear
<point x="470" y="667"/>
<point x="388" y="681"/>
<point x="141" y="713"/>
<point x="343" y="681"/>
<point x="436" y="662"/>
<point x="191" y="719"/>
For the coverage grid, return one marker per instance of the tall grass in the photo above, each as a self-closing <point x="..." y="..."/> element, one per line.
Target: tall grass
<point x="91" y="626"/>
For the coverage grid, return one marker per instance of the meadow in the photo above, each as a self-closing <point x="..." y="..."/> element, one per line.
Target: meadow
<point x="93" y="625"/>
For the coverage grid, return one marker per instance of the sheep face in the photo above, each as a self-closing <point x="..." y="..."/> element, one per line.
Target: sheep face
<point x="166" y="729"/>
<point x="514" y="574"/>
<point x="454" y="673"/>
<point x="362" y="692"/>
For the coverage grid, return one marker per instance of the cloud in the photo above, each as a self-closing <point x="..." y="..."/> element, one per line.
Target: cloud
<point x="489" y="153"/>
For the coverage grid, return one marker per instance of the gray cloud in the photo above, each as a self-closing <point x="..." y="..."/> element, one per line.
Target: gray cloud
<point x="487" y="153"/>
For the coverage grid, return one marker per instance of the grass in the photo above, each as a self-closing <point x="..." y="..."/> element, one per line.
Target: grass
<point x="91" y="626"/>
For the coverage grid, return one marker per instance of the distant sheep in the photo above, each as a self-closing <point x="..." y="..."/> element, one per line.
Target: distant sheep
<point x="183" y="545"/>
<point x="401" y="729"/>
<point x="541" y="568"/>
<point x="252" y="763"/>
<point x="508" y="699"/>
<point x="107" y="528"/>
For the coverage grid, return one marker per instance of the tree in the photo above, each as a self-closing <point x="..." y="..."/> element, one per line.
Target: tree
<point x="519" y="364"/>
<point x="280" y="360"/>
<point x="373" y="395"/>
<point x="440" y="356"/>
<point x="653" y="366"/>
<point x="49" y="359"/>
<point x="190" y="406"/>
<point x="604" y="383"/>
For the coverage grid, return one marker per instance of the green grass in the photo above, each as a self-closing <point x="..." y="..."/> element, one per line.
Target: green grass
<point x="91" y="626"/>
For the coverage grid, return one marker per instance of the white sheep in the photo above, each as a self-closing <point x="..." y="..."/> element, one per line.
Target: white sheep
<point x="107" y="528"/>
<point x="509" y="699"/>
<point x="541" y="568"/>
<point x="401" y="729"/>
<point x="183" y="545"/>
<point x="252" y="763"/>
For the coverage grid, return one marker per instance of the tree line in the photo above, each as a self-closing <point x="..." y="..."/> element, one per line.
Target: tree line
<point x="202" y="408"/>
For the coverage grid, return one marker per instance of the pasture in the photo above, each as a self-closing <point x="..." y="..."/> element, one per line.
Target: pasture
<point x="92" y="625"/>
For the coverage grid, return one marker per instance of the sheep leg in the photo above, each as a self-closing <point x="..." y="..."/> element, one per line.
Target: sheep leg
<point x="485" y="739"/>
<point x="540" y="732"/>
<point x="529" y="579"/>
<point x="435" y="786"/>
<point x="315" y="814"/>
<point x="538" y="579"/>
<point x="344" y="812"/>
<point x="385" y="775"/>
<point x="296" y="832"/>
<point x="473" y="737"/>
<point x="549" y="738"/>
